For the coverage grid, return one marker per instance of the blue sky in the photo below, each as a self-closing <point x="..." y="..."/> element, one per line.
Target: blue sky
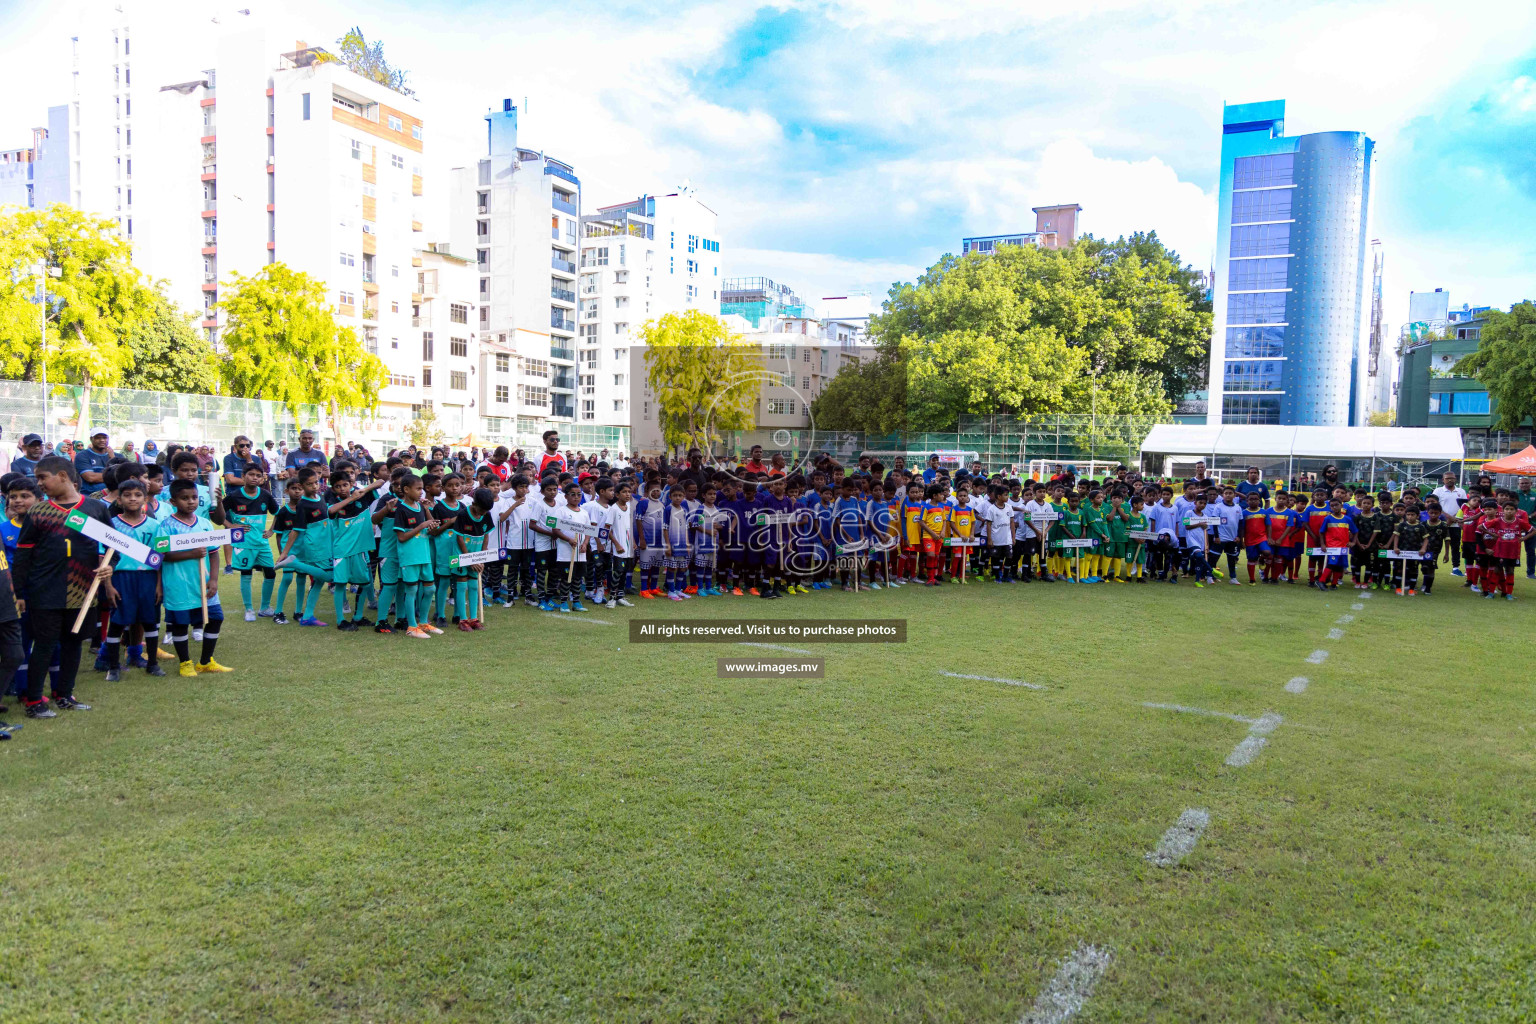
<point x="849" y="143"/>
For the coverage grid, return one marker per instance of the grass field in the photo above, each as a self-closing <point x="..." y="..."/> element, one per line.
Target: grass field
<point x="542" y="822"/>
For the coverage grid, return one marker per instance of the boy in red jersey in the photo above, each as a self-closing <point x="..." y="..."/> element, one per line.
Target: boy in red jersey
<point x="1503" y="536"/>
<point x="1335" y="535"/>
<point x="1468" y="517"/>
<point x="1256" y="538"/>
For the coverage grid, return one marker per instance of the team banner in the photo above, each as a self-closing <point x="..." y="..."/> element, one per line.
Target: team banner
<point x="1075" y="542"/>
<point x="117" y="540"/>
<point x="201" y="539"/>
<point x="1202" y="521"/>
<point x="1405" y="556"/>
<point x="1142" y="534"/>
<point x="1327" y="551"/>
<point x="473" y="558"/>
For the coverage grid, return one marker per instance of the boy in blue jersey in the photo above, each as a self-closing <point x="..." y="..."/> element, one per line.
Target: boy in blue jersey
<point x="648" y="543"/>
<point x="137" y="584"/>
<point x="184" y="587"/>
<point x="848" y="527"/>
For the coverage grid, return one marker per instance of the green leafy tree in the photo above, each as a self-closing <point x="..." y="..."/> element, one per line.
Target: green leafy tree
<point x="1115" y="328"/>
<point x="169" y="354"/>
<point x="284" y="344"/>
<point x="1505" y="362"/>
<point x="367" y="59"/>
<point x="95" y="297"/>
<point x="425" y="431"/>
<point x="868" y="396"/>
<point x="705" y="379"/>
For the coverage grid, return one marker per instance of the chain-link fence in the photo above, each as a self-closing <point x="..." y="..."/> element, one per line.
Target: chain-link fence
<point x="1000" y="443"/>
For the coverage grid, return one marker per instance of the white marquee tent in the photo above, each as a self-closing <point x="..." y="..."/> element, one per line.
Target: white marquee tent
<point x="1390" y="452"/>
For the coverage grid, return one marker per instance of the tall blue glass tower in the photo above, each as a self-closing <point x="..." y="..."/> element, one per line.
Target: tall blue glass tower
<point x="1291" y="235"/>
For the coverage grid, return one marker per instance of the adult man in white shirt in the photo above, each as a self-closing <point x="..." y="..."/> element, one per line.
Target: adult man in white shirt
<point x="1451" y="498"/>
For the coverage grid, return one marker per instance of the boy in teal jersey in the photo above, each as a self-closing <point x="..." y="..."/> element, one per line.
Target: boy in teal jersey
<point x="445" y="510"/>
<point x="184" y="587"/>
<point x="135" y="582"/>
<point x="415" y="554"/>
<point x="470" y="532"/>
<point x="389" y="555"/>
<point x="282" y="526"/>
<point x="184" y="467"/>
<point x="309" y="542"/>
<point x="248" y="506"/>
<point x="352" y="542"/>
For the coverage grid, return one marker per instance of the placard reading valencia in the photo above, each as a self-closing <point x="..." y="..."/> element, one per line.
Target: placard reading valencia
<point x="715" y="631"/>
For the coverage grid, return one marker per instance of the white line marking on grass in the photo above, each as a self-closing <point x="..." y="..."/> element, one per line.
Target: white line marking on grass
<point x="1317" y="657"/>
<point x="1063" y="996"/>
<point x="578" y="618"/>
<point x="1297" y="685"/>
<point x="1197" y="711"/>
<point x="1366" y="596"/>
<point x="776" y="647"/>
<point x="1335" y="634"/>
<point x="993" y="679"/>
<point x="1357" y="607"/>
<point x="1344" y="620"/>
<point x="1249" y="748"/>
<point x="1179" y="841"/>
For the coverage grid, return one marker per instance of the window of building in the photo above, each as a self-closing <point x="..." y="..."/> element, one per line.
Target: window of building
<point x="394" y="306"/>
<point x="588" y="408"/>
<point x="621" y="328"/>
<point x="619" y="380"/>
<point x="346" y="298"/>
<point x="620" y="301"/>
<point x="426" y="345"/>
<point x="1260" y="410"/>
<point x="1261" y="240"/>
<point x="618" y="405"/>
<point x="426" y="376"/>
<point x="503" y="394"/>
<point x="396" y="161"/>
<point x="458" y="312"/>
<point x="1256" y="308"/>
<point x="402" y="380"/>
<point x="1459" y="403"/>
<point x="1253" y="375"/>
<point x="1263" y="171"/>
<point x="416" y="132"/>
<point x="304" y="100"/>
<point x="805" y="385"/>
<point x="458" y="347"/>
<point x="395" y="124"/>
<point x="620" y="353"/>
<point x="357" y="149"/>
<point x="535" y="368"/>
<point x="621" y="277"/>
<point x="528" y="395"/>
<point x="1255" y="342"/>
<point x="778" y="350"/>
<point x="483" y="228"/>
<point x="1263" y="205"/>
<point x="1253" y="275"/>
<point x="781" y="406"/>
<point x="503" y="362"/>
<point x="458" y="380"/>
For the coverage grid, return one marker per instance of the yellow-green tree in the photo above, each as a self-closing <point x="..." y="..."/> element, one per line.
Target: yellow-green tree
<point x="705" y="380"/>
<point x="283" y="343"/>
<point x="94" y="297"/>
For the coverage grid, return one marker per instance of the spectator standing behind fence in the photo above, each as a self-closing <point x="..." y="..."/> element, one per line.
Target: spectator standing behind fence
<point x="306" y="454"/>
<point x="25" y="463"/>
<point x="90" y="464"/>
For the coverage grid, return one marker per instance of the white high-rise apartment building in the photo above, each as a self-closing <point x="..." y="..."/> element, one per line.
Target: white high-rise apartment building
<point x="517" y="211"/>
<point x="224" y="146"/>
<point x="639" y="260"/>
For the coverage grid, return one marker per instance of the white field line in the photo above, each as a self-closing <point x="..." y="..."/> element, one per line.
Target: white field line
<point x="1365" y="596"/>
<point x="572" y="617"/>
<point x="1249" y="748"/>
<point x="1317" y="657"/>
<point x="1335" y="634"/>
<point x="993" y="679"/>
<point x="1297" y="685"/>
<point x="1197" y="711"/>
<point x="1357" y="607"/>
<point x="1063" y="996"/>
<point x="1344" y="620"/>
<point x="1179" y="841"/>
<point x="775" y="647"/>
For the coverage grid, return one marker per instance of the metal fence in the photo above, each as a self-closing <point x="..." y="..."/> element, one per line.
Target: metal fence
<point x="1000" y="442"/>
<point x="70" y="412"/>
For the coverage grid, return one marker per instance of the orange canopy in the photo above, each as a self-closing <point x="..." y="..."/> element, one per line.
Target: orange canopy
<point x="1519" y="464"/>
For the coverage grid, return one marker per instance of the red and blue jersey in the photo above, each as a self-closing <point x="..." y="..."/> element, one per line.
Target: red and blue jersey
<point x="1256" y="527"/>
<point x="1337" y="531"/>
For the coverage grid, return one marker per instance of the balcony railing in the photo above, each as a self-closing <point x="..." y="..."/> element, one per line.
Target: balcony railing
<point x="567" y="354"/>
<point x="561" y="172"/>
<point x="562" y="381"/>
<point x="418" y="321"/>
<point x="209" y="277"/>
<point x="560" y="264"/>
<point x="210" y="204"/>
<point x="564" y="294"/>
<point x="560" y="322"/>
<point x="368" y="277"/>
<point x="562" y="205"/>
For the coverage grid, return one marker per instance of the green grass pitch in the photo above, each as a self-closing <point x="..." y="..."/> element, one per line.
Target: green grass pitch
<point x="541" y="822"/>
